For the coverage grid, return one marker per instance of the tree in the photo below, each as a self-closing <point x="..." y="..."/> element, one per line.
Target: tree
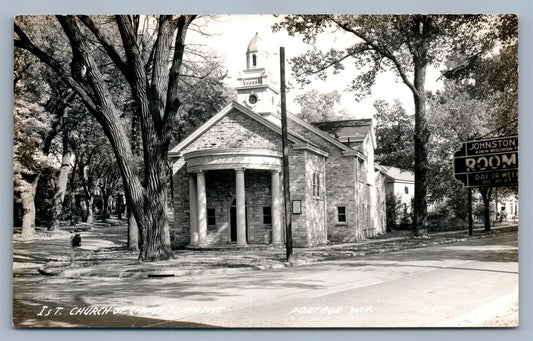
<point x="97" y="172"/>
<point x="57" y="106"/>
<point x="319" y="107"/>
<point x="151" y="67"/>
<point x="204" y="94"/>
<point x="404" y="44"/>
<point x="479" y="101"/>
<point x="394" y="134"/>
<point x="28" y="160"/>
<point x="493" y="79"/>
<point x="37" y="121"/>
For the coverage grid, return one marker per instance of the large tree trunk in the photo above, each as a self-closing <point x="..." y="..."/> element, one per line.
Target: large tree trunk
<point x="61" y="184"/>
<point x="421" y="160"/>
<point x="28" y="208"/>
<point x="156" y="238"/>
<point x="133" y="232"/>
<point x="486" y="193"/>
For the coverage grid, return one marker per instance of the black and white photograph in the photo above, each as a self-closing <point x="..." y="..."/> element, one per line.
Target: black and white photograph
<point x="266" y="171"/>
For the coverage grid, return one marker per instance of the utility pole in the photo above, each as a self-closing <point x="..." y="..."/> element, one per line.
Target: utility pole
<point x="470" y="222"/>
<point x="285" y="147"/>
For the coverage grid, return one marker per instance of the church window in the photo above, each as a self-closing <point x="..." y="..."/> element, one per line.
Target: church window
<point x="316" y="184"/>
<point x="211" y="217"/>
<point x="254" y="60"/>
<point x="267" y="215"/>
<point x="341" y="214"/>
<point x="252" y="99"/>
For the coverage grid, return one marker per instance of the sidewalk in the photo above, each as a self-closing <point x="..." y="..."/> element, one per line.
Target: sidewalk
<point x="103" y="254"/>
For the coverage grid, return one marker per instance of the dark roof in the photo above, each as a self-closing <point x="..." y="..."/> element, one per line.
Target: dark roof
<point x="348" y="130"/>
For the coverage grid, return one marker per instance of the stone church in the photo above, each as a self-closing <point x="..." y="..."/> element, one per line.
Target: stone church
<point x="228" y="173"/>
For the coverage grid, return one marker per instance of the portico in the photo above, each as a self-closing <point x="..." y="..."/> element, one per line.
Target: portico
<point x="208" y="163"/>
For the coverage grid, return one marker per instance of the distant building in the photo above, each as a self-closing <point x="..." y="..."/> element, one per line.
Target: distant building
<point x="228" y="181"/>
<point x="401" y="184"/>
<point x="506" y="207"/>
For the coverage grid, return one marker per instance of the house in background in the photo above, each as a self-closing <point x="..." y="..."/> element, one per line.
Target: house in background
<point x="228" y="173"/>
<point x="401" y="184"/>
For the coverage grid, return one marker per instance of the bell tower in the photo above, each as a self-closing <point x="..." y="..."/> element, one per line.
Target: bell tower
<point x="258" y="88"/>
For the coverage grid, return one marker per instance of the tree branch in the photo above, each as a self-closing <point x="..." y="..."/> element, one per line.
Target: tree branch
<point x="383" y="51"/>
<point x="25" y="43"/>
<point x="324" y="67"/>
<point x="173" y="102"/>
<point x="105" y="41"/>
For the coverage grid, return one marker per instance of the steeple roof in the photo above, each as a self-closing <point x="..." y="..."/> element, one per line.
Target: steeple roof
<point x="256" y="44"/>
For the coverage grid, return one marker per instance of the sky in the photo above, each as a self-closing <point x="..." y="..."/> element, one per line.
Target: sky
<point x="229" y="36"/>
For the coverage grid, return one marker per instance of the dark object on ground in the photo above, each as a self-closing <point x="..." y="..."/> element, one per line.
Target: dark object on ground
<point x="160" y="275"/>
<point x="75" y="241"/>
<point x="48" y="272"/>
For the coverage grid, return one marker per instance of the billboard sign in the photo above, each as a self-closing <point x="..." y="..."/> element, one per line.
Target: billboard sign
<point x="488" y="163"/>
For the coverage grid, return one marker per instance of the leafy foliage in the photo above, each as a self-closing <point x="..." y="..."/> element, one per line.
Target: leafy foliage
<point x="320" y="107"/>
<point x="394" y="134"/>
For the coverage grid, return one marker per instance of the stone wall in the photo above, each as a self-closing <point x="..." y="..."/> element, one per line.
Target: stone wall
<point x="351" y="183"/>
<point x="316" y="204"/>
<point x="298" y="188"/>
<point x="236" y="130"/>
<point x="381" y="210"/>
<point x="180" y="232"/>
<point x="340" y="186"/>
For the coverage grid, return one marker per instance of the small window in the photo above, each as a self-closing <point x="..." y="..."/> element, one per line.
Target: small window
<point x="316" y="184"/>
<point x="406" y="190"/>
<point x="211" y="217"/>
<point x="341" y="214"/>
<point x="254" y="60"/>
<point x="267" y="215"/>
<point x="252" y="99"/>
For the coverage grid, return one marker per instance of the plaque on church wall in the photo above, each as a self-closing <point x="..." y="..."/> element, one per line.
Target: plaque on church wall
<point x="296" y="207"/>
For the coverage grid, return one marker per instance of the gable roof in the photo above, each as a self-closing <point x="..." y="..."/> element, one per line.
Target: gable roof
<point x="348" y="131"/>
<point x="292" y="135"/>
<point x="355" y="130"/>
<point x="318" y="132"/>
<point x="397" y="174"/>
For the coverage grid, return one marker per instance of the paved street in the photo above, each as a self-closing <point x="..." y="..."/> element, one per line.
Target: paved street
<point x="469" y="283"/>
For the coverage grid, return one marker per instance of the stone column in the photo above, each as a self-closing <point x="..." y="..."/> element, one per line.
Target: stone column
<point x="275" y="210"/>
<point x="202" y="209"/>
<point x="241" y="207"/>
<point x="193" y="212"/>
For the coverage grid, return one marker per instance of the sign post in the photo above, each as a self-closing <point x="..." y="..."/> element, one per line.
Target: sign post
<point x="470" y="221"/>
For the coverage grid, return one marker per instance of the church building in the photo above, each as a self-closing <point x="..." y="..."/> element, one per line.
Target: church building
<point x="228" y="186"/>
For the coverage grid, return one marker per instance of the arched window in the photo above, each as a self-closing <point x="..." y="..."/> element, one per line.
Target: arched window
<point x="254" y="60"/>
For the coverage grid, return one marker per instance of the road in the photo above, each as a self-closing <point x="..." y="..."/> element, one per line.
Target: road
<point x="469" y="283"/>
